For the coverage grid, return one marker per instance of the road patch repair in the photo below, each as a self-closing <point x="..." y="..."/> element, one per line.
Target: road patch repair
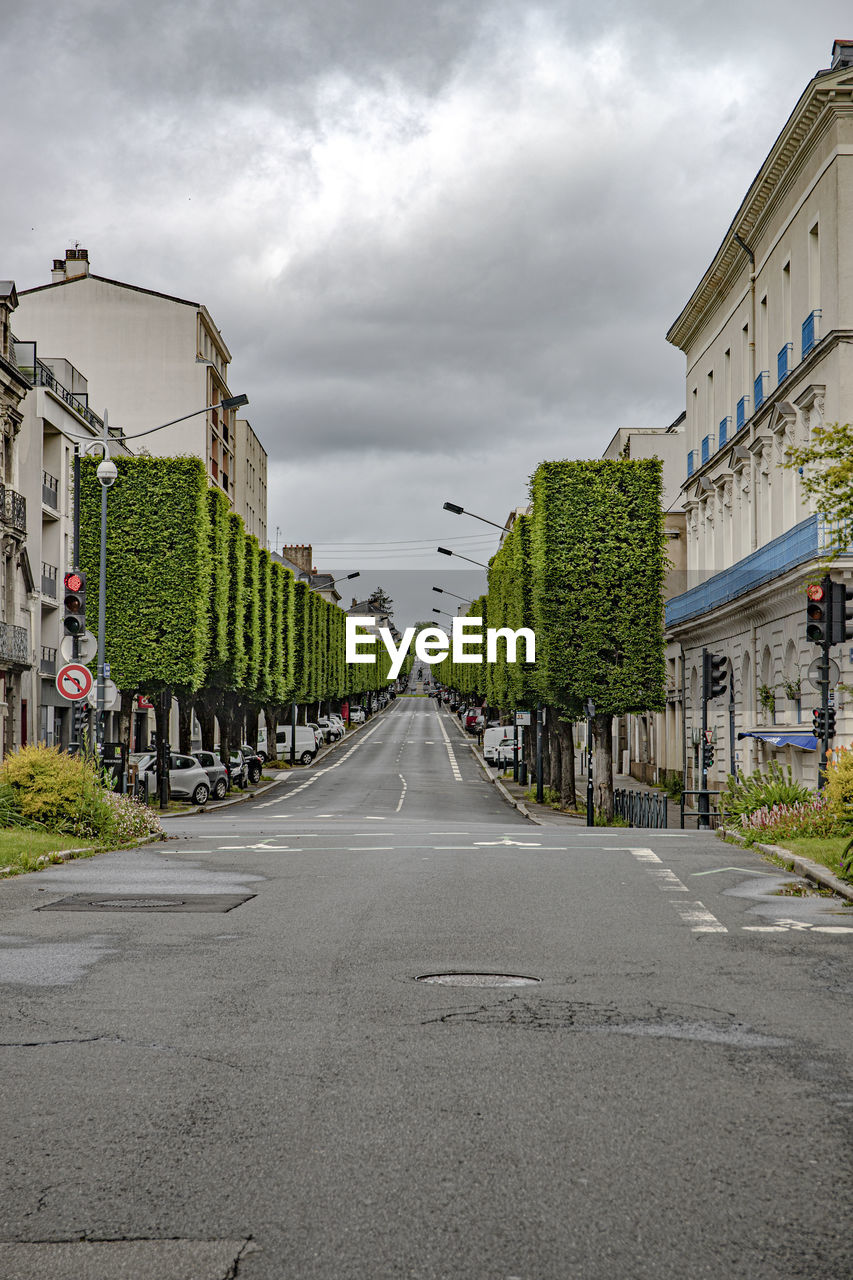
<point x="221" y="902"/>
<point x="139" y="1259"/>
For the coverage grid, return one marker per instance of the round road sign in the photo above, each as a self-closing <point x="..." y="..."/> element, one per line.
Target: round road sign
<point x="74" y="681"/>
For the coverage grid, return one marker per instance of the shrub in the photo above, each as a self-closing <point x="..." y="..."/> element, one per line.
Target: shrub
<point x="812" y="820"/>
<point x="839" y="785"/>
<point x="759" y="790"/>
<point x="66" y="793"/>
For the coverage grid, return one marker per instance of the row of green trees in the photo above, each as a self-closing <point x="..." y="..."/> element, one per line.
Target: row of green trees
<point x="196" y="609"/>
<point x="585" y="570"/>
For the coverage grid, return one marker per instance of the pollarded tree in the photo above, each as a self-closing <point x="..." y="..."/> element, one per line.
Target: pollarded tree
<point x="226" y="670"/>
<point x="598" y="562"/>
<point x="158" y="573"/>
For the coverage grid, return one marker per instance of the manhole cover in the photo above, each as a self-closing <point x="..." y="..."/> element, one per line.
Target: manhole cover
<point x="151" y="902"/>
<point x="479" y="979"/>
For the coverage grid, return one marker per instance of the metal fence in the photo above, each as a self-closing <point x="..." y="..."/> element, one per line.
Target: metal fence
<point x="640" y="808"/>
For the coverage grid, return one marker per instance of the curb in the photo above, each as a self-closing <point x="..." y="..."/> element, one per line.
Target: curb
<point x="804" y="866"/>
<point x="68" y="855"/>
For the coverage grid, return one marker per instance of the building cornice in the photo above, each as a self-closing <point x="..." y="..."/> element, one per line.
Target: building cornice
<point x="826" y="96"/>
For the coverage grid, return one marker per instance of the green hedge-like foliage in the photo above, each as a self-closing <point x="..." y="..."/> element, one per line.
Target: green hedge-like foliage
<point x="598" y="564"/>
<point x="158" y="570"/>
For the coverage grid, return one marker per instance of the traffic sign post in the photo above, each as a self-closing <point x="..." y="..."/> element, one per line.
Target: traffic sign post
<point x="73" y="681"/>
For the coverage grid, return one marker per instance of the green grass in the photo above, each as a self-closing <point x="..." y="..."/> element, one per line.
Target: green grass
<point x="826" y="851"/>
<point x="21" y="849"/>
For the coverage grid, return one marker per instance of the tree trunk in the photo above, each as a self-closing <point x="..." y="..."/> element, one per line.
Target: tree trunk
<point x="124" y="719"/>
<point x="272" y="714"/>
<point x="602" y="766"/>
<point x="162" y="708"/>
<point x="568" y="793"/>
<point x="185" y="722"/>
<point x="207" y="720"/>
<point x="555" y="751"/>
<point x="252" y="727"/>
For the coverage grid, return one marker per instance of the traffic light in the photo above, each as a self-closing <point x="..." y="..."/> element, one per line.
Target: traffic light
<point x="818" y="610"/>
<point x="715" y="674"/>
<point x="74" y="617"/>
<point x="707" y="754"/>
<point x="841" y="614"/>
<point x="824" y="722"/>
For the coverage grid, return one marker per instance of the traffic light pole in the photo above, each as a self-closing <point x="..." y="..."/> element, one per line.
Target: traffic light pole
<point x="76" y="710"/>
<point x="824" y="703"/>
<point x="703" y="790"/>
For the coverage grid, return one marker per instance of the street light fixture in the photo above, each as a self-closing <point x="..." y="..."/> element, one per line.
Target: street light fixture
<point x="445" y="552"/>
<point x="460" y="511"/>
<point x="444" y="611"/>
<point x="442" y="591"/>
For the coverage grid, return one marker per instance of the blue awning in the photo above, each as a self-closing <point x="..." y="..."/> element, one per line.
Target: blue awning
<point x="805" y="739"/>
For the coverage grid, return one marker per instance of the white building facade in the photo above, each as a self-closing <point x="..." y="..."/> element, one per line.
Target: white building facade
<point x="149" y="358"/>
<point x="768" y="338"/>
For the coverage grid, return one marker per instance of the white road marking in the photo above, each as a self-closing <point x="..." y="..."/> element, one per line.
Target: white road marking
<point x="746" y="871"/>
<point x="521" y="844"/>
<point x="700" y="919"/>
<point x="453" y="765"/>
<point x="668" y="880"/>
<point x="403" y="794"/>
<point x="645" y="855"/>
<point x="371" y="848"/>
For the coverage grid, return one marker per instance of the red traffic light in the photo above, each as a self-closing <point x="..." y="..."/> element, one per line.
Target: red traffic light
<point x="815" y="591"/>
<point x="73" y="581"/>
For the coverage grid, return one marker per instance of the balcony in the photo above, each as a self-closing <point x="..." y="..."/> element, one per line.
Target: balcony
<point x="49" y="575"/>
<point x="14" y="644"/>
<point x="50" y="490"/>
<point x="809" y="331"/>
<point x="13" y="509"/>
<point x="806" y="541"/>
<point x="742" y="407"/>
<point x="47" y="666"/>
<point x="783" y="362"/>
<point x="760" y="387"/>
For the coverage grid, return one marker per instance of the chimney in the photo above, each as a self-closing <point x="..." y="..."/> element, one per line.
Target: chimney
<point x="76" y="263"/>
<point x="301" y="556"/>
<point x="58" y="272"/>
<point x="842" y="54"/>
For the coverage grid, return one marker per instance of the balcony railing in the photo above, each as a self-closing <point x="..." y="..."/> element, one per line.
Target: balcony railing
<point x="742" y="406"/>
<point x="805" y="541"/>
<point x="49" y="575"/>
<point x="783" y="362"/>
<point x="760" y="387"/>
<point x="43" y="376"/>
<point x="809" y="331"/>
<point x="47" y="666"/>
<point x="14" y="644"/>
<point x="50" y="490"/>
<point x="13" y="509"/>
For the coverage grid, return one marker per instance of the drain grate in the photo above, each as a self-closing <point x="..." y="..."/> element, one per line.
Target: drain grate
<point x="220" y="902"/>
<point x="462" y="979"/>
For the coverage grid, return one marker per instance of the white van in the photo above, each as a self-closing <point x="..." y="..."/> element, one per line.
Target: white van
<point x="306" y="743"/>
<point x="494" y="740"/>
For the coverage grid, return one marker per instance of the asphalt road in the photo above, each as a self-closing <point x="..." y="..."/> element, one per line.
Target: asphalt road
<point x="268" y="1092"/>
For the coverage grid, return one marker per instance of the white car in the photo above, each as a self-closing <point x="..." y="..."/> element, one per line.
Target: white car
<point x="330" y="729"/>
<point x="187" y="779"/>
<point x="357" y="715"/>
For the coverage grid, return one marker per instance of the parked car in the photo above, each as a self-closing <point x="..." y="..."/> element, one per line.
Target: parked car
<point x="330" y="729"/>
<point x="317" y="731"/>
<point x="217" y="774"/>
<point x="187" y="779"/>
<point x="254" y="763"/>
<point x="357" y="715"/>
<point x="474" y="719"/>
<point x="493" y="741"/>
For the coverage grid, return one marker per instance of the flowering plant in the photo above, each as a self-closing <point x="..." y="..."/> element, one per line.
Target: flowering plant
<point x="814" y="818"/>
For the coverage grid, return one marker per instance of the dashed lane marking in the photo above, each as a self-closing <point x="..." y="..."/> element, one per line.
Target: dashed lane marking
<point x="453" y="764"/>
<point x="694" y="914"/>
<point x="403" y="793"/>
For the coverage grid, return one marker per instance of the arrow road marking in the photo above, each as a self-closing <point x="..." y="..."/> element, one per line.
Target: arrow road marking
<point x="520" y="844"/>
<point x="746" y="871"/>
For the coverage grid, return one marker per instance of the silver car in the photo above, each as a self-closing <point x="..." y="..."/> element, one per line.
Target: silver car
<point x="217" y="774"/>
<point x="187" y="779"/>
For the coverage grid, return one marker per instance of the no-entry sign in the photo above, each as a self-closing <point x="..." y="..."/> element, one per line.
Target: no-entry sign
<point x="74" y="681"/>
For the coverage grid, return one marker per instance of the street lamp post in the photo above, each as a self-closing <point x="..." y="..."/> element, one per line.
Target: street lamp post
<point x="460" y="511"/>
<point x="442" y="591"/>
<point x="444" y="551"/>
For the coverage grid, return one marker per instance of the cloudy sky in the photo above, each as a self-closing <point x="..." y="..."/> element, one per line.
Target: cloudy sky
<point x="443" y="240"/>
